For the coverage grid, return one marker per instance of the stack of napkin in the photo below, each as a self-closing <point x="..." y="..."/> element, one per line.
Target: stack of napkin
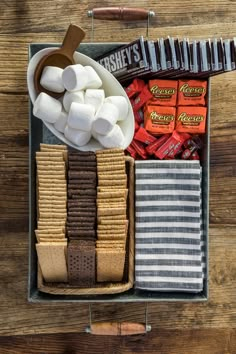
<point x="168" y="235"/>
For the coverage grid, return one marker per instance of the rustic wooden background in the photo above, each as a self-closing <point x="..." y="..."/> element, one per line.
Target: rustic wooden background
<point x="177" y="327"/>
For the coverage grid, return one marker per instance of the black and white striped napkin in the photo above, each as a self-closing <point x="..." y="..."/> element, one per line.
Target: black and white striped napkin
<point x="168" y="239"/>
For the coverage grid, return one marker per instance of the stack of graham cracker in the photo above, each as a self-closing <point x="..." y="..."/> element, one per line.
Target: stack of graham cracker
<point x="52" y="212"/>
<point x="112" y="223"/>
<point x="81" y="218"/>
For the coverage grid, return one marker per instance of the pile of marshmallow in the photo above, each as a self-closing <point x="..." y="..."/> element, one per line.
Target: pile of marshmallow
<point x="83" y="111"/>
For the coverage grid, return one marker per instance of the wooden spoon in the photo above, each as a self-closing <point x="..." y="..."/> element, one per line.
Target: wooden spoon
<point x="60" y="57"/>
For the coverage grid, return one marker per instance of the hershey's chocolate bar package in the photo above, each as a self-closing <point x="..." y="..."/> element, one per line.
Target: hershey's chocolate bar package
<point x="126" y="59"/>
<point x="170" y="58"/>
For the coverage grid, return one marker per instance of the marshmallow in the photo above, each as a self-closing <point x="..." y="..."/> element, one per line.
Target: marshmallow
<point x="81" y="116"/>
<point x="94" y="81"/>
<point x="77" y="137"/>
<point x="75" y="77"/>
<point x="61" y="122"/>
<point x="113" y="139"/>
<point x="94" y="134"/>
<point x="105" y="118"/>
<point x="47" y="108"/>
<point x="69" y="97"/>
<point x="94" y="97"/>
<point x="51" y="79"/>
<point x="121" y="103"/>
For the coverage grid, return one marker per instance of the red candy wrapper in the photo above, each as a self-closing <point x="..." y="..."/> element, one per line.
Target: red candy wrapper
<point x="154" y="146"/>
<point x="135" y="87"/>
<point x="194" y="156"/>
<point x="178" y="147"/>
<point x="138" y="117"/>
<point x="136" y="126"/>
<point x="166" y="148"/>
<point x="132" y="152"/>
<point x="139" y="148"/>
<point x="142" y="98"/>
<point x="143" y="136"/>
<point x="186" y="154"/>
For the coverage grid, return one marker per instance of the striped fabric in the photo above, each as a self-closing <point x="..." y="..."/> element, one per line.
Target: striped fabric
<point x="168" y="239"/>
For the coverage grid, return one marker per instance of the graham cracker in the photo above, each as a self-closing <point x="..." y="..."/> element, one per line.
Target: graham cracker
<point x="110" y="265"/>
<point x="48" y="178"/>
<point x="111" y="222"/>
<point x="111" y="205"/>
<point x="52" y="239"/>
<point x="111" y="200"/>
<point x="112" y="217"/>
<point x="111" y="211"/>
<point x="113" y="168"/>
<point x="52" y="261"/>
<point x="118" y="237"/>
<point x="113" y="183"/>
<point x="53" y="173"/>
<point x="112" y="151"/>
<point x="51" y="147"/>
<point x="50" y="215"/>
<point x="58" y="231"/>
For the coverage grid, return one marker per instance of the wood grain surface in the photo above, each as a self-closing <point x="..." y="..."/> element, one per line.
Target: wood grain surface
<point x="177" y="327"/>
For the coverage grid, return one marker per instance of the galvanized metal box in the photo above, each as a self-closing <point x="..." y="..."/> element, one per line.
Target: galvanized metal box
<point x="39" y="133"/>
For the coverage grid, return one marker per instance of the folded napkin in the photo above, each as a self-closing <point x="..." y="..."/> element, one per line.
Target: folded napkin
<point x="168" y="238"/>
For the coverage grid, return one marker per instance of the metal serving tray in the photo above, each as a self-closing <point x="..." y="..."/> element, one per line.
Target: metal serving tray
<point x="39" y="133"/>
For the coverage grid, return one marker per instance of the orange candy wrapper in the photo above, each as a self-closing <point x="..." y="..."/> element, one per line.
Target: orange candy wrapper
<point x="191" y="120"/>
<point x="164" y="92"/>
<point x="159" y="120"/>
<point x="192" y="92"/>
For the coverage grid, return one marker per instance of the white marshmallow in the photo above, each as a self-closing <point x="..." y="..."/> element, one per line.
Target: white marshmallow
<point x="121" y="103"/>
<point x="51" y="79"/>
<point x="47" y="108"/>
<point x="94" y="134"/>
<point x="94" y="81"/>
<point x="94" y="97"/>
<point x="75" y="77"/>
<point x="69" y="97"/>
<point x="77" y="137"/>
<point x="81" y="116"/>
<point x="113" y="139"/>
<point x="105" y="118"/>
<point x="61" y="122"/>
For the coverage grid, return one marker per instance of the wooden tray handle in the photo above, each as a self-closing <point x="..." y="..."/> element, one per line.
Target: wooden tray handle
<point x="120" y="14"/>
<point x="118" y="328"/>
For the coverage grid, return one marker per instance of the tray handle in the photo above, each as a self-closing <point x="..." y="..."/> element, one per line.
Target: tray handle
<point x="118" y="328"/>
<point x="120" y="13"/>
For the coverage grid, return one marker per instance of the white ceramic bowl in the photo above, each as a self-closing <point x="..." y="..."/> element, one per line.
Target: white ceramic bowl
<point x="110" y="85"/>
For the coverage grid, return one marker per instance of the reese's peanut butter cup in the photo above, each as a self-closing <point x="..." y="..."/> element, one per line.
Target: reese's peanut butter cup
<point x="192" y="92"/>
<point x="191" y="120"/>
<point x="159" y="119"/>
<point x="164" y="92"/>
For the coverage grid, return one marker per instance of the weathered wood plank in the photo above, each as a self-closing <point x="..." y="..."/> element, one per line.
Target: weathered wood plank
<point x="31" y="17"/>
<point x="185" y="341"/>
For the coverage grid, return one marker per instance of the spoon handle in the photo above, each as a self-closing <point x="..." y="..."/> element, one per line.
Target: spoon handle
<point x="72" y="39"/>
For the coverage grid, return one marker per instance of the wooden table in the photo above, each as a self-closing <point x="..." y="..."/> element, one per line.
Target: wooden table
<point x="177" y="327"/>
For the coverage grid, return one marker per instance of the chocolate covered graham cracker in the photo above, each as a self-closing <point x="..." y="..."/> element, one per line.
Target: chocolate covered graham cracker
<point x="81" y="218"/>
<point x="81" y="263"/>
